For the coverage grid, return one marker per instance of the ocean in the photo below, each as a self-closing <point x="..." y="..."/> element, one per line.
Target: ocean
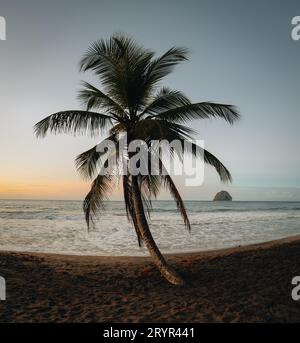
<point x="59" y="226"/>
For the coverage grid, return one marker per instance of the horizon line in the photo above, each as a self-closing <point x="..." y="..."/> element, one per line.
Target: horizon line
<point x="170" y="200"/>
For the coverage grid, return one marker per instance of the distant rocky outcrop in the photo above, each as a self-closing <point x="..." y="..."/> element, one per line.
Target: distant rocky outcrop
<point x="223" y="196"/>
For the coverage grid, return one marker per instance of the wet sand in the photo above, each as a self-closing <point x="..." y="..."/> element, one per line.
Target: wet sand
<point x="244" y="284"/>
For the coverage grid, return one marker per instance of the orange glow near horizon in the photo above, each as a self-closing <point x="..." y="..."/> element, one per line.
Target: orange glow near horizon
<point x="63" y="190"/>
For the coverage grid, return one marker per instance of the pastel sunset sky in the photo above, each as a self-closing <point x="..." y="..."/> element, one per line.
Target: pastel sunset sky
<point x="241" y="53"/>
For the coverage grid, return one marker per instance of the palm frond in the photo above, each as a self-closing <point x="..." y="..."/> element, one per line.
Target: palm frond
<point x="94" y="201"/>
<point x="88" y="163"/>
<point x="105" y="58"/>
<point x="169" y="184"/>
<point x="164" y="65"/>
<point x="150" y="185"/>
<point x="121" y="64"/>
<point x="152" y="129"/>
<point x="73" y="122"/>
<point x="118" y="128"/>
<point x="92" y="97"/>
<point x="223" y="172"/>
<point x="201" y="110"/>
<point x="101" y="54"/>
<point x="164" y="100"/>
<point x="209" y="159"/>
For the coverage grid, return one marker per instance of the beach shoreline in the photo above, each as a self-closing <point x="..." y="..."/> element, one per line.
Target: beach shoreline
<point x="243" y="284"/>
<point x="218" y="251"/>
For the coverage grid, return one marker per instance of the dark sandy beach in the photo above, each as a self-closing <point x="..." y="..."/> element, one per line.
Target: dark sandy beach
<point x="245" y="284"/>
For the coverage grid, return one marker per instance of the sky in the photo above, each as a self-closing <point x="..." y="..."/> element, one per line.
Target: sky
<point x="241" y="53"/>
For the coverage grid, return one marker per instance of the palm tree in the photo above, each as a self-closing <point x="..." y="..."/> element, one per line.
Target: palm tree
<point x="132" y="102"/>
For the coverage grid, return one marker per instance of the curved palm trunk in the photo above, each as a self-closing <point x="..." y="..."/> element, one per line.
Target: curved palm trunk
<point x="167" y="271"/>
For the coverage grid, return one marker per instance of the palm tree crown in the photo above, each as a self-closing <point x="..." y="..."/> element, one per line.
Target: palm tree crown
<point x="131" y="101"/>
